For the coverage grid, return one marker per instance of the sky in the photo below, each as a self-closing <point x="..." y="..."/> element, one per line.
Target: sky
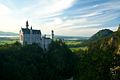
<point x="65" y="17"/>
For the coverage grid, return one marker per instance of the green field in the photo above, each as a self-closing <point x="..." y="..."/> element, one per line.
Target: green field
<point x="73" y="43"/>
<point x="8" y="40"/>
<point x="78" y="49"/>
<point x="75" y="46"/>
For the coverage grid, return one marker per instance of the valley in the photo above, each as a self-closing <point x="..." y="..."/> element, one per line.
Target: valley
<point x="99" y="54"/>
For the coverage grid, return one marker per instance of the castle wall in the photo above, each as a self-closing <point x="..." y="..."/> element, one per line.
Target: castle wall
<point x="26" y="39"/>
<point x="45" y="43"/>
<point x="36" y="38"/>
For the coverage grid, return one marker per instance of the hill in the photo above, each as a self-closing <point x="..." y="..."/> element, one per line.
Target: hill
<point x="110" y="44"/>
<point x="101" y="34"/>
<point x="106" y="51"/>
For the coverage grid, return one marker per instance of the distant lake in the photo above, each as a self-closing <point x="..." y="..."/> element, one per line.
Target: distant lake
<point x="9" y="36"/>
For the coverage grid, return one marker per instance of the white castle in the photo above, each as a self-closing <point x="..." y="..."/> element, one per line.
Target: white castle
<point x="30" y="36"/>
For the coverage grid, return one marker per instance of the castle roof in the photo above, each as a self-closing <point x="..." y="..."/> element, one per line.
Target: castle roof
<point x="27" y="31"/>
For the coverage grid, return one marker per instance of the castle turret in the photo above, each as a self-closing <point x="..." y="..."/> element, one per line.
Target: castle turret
<point x="27" y="25"/>
<point x="31" y="35"/>
<point x="52" y="34"/>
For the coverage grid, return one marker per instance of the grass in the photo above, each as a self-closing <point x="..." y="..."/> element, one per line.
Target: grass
<point x="76" y="46"/>
<point x="73" y="44"/>
<point x="7" y="42"/>
<point x="78" y="49"/>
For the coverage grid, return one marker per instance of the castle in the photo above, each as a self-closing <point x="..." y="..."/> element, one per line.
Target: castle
<point x="30" y="36"/>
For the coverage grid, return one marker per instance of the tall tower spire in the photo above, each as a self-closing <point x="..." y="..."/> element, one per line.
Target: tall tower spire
<point x="52" y="34"/>
<point x="27" y="25"/>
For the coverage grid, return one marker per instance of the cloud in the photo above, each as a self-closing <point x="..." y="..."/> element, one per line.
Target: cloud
<point x="8" y="22"/>
<point x="4" y="10"/>
<point x="91" y="14"/>
<point x="64" y="16"/>
<point x="98" y="13"/>
<point x="41" y="10"/>
<point x="47" y="8"/>
<point x="57" y="6"/>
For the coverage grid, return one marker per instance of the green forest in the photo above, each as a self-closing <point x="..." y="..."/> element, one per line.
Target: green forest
<point x="30" y="62"/>
<point x="100" y="61"/>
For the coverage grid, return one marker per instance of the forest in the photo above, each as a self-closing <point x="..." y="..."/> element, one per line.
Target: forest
<point x="30" y="62"/>
<point x="59" y="62"/>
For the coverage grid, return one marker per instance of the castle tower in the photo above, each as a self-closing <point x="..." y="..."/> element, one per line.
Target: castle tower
<point x="31" y="35"/>
<point x="27" y="25"/>
<point x="52" y="34"/>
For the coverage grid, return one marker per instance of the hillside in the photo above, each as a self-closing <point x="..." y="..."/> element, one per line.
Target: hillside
<point x="101" y="34"/>
<point x="112" y="43"/>
<point x="108" y="44"/>
<point x="106" y="51"/>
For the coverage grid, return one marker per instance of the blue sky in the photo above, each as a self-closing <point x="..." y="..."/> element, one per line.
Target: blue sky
<point x="65" y="17"/>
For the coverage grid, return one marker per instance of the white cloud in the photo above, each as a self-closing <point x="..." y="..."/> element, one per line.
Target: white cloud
<point x="7" y="20"/>
<point x="43" y="9"/>
<point x="4" y="10"/>
<point x="51" y="14"/>
<point x="47" y="8"/>
<point x="55" y="6"/>
<point x="91" y="14"/>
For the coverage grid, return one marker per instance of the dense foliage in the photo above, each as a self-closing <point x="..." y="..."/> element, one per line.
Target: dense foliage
<point x="30" y="62"/>
<point x="101" y="61"/>
<point x="94" y="65"/>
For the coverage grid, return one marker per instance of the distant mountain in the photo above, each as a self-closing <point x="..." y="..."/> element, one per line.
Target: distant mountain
<point x="109" y="44"/>
<point x="101" y="34"/>
<point x="71" y="37"/>
<point x="7" y="34"/>
<point x="107" y="41"/>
